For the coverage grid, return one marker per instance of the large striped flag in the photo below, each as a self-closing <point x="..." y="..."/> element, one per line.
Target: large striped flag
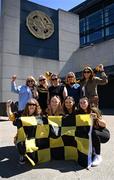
<point x="42" y="139"/>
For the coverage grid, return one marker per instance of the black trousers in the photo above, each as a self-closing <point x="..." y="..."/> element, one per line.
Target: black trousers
<point x="99" y="136"/>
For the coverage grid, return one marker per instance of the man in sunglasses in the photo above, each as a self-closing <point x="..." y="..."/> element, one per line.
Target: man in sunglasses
<point x="89" y="83"/>
<point x="25" y="92"/>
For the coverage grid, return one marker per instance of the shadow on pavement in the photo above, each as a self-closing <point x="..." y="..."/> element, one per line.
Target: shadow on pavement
<point x="61" y="165"/>
<point x="10" y="167"/>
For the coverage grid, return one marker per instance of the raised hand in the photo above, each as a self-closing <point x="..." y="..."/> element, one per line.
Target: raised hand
<point x="9" y="102"/>
<point x="14" y="77"/>
<point x="101" y="67"/>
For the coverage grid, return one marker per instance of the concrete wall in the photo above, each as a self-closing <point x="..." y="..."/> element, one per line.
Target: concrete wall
<point x="1" y="42"/>
<point x="10" y="49"/>
<point x="94" y="55"/>
<point x="68" y="40"/>
<point x="22" y="66"/>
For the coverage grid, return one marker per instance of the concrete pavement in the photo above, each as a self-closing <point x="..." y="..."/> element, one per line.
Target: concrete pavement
<point x="54" y="170"/>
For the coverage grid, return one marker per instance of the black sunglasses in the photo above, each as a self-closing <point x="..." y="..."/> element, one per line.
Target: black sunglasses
<point x="87" y="72"/>
<point x="31" y="104"/>
<point x="70" y="76"/>
<point x="42" y="79"/>
<point x="30" y="81"/>
<point x="54" y="79"/>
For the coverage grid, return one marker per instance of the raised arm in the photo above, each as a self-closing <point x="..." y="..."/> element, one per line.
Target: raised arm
<point x="103" y="79"/>
<point x="9" y="111"/>
<point x="101" y="122"/>
<point x="98" y="121"/>
<point x="14" y="88"/>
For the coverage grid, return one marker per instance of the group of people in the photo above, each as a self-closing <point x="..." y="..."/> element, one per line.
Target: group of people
<point x="52" y="97"/>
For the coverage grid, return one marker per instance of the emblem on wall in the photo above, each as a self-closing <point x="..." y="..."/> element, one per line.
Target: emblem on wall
<point x="39" y="24"/>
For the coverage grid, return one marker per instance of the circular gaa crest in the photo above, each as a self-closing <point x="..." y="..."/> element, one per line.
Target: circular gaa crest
<point x="40" y="25"/>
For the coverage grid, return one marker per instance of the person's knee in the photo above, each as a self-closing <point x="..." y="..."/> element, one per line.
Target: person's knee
<point x="106" y="137"/>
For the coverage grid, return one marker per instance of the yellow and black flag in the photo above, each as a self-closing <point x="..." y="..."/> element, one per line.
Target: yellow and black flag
<point x="42" y="139"/>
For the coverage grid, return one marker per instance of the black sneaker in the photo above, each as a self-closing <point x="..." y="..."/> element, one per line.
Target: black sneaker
<point x="22" y="160"/>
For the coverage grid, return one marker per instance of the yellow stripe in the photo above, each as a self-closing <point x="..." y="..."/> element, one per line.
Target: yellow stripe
<point x="29" y="121"/>
<point x="30" y="160"/>
<point x="42" y="131"/>
<point x="44" y="155"/>
<point x="70" y="153"/>
<point x="83" y="120"/>
<point x="30" y="145"/>
<point x="21" y="136"/>
<point x="69" y="131"/>
<point x="58" y="142"/>
<point x="82" y="145"/>
<point x="55" y="119"/>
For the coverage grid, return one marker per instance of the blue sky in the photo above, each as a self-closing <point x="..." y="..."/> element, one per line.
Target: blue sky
<point x="59" y="4"/>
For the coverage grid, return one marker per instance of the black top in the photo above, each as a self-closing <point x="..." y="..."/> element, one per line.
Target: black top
<point x="42" y="98"/>
<point x="74" y="91"/>
<point x="56" y="91"/>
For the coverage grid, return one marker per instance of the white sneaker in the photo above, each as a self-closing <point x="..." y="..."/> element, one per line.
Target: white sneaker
<point x="96" y="160"/>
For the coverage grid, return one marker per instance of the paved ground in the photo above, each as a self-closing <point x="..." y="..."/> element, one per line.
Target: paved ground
<point x="55" y="170"/>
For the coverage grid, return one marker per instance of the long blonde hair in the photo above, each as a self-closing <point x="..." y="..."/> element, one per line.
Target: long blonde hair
<point x="31" y="78"/>
<point x="59" y="109"/>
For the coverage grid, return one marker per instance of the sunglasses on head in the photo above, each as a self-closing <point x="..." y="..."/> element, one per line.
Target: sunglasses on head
<point x="87" y="72"/>
<point x="31" y="104"/>
<point x="42" y="80"/>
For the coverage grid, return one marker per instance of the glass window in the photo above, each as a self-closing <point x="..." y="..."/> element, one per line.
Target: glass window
<point x="82" y="25"/>
<point x="97" y="25"/>
<point x="107" y="31"/>
<point x="109" y="14"/>
<point x="95" y="36"/>
<point x="109" y="19"/>
<point x="83" y="40"/>
<point x="110" y="30"/>
<point x="95" y="20"/>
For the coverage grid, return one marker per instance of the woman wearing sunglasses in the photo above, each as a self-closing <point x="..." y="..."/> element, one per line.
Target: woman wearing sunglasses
<point x="32" y="108"/>
<point x="42" y="92"/>
<point x="73" y="87"/>
<point x="89" y="83"/>
<point x="56" y="88"/>
<point x="25" y="92"/>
